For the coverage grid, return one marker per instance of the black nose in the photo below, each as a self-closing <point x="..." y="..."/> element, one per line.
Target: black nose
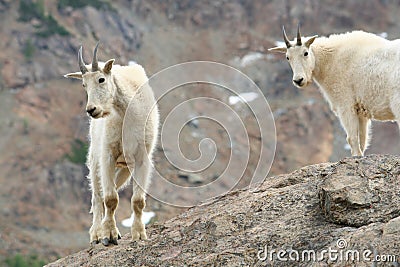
<point x="91" y="110"/>
<point x="298" y="81"/>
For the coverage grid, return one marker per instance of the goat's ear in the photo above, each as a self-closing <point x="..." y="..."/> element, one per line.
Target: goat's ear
<point x="278" y="49"/>
<point x="310" y="41"/>
<point x="108" y="66"/>
<point x="74" y="75"/>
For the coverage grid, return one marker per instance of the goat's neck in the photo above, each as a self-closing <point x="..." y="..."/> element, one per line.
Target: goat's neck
<point x="322" y="56"/>
<point x="121" y="99"/>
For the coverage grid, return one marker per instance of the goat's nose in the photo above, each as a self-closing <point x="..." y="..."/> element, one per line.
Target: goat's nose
<point x="298" y="81"/>
<point x="90" y="110"/>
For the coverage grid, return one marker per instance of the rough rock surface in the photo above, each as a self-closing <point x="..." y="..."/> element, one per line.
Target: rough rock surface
<point x="351" y="205"/>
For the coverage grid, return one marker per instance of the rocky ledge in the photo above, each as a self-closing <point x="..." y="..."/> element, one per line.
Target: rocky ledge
<point x="331" y="214"/>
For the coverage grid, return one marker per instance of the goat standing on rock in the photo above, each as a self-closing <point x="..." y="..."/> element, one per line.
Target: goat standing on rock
<point x="110" y="89"/>
<point x="357" y="72"/>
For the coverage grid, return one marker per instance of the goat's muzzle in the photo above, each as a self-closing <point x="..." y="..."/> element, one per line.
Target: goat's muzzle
<point x="93" y="111"/>
<point x="299" y="81"/>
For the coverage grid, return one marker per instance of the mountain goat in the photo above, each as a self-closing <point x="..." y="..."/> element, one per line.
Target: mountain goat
<point x="358" y="74"/>
<point x="110" y="89"/>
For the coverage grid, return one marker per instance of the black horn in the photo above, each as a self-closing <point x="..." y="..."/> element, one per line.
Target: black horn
<point x="82" y="66"/>
<point x="95" y="64"/>
<point x="298" y="35"/>
<point x="285" y="37"/>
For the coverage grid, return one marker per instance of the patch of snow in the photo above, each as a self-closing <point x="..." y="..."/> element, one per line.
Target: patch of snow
<point x="247" y="59"/>
<point x="279" y="112"/>
<point x="146" y="218"/>
<point x="243" y="97"/>
<point x="311" y="101"/>
<point x="194" y="122"/>
<point x="269" y="57"/>
<point x="383" y="35"/>
<point x="195" y="134"/>
<point x="347" y="147"/>
<point x="280" y="44"/>
<point x="250" y="58"/>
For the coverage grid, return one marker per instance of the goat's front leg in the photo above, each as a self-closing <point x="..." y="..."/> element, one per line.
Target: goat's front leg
<point x="350" y="123"/>
<point x="109" y="231"/>
<point x="97" y="203"/>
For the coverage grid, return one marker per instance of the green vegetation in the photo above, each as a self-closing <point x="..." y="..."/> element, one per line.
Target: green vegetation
<point x="25" y="128"/>
<point x="28" y="50"/>
<point x="31" y="9"/>
<point x="50" y="26"/>
<point x="78" y="152"/>
<point x="82" y="3"/>
<point x="19" y="260"/>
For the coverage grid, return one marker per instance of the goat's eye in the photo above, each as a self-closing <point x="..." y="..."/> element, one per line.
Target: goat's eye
<point x="83" y="85"/>
<point x="305" y="53"/>
<point x="287" y="58"/>
<point x="101" y="80"/>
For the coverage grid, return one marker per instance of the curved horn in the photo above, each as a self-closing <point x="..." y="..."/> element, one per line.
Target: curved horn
<point x="298" y="35"/>
<point x="82" y="66"/>
<point x="285" y="38"/>
<point x="95" y="64"/>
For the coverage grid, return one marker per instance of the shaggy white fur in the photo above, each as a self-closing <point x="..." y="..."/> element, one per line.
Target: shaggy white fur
<point x="110" y="89"/>
<point x="358" y="75"/>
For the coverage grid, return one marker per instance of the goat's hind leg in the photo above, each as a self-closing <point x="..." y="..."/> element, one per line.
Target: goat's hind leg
<point x="140" y="184"/>
<point x="350" y="123"/>
<point x="138" y="229"/>
<point x="396" y="108"/>
<point x="363" y="132"/>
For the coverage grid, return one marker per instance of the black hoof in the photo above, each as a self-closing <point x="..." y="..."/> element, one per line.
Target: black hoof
<point x="105" y="241"/>
<point x="119" y="236"/>
<point x="93" y="243"/>
<point x="114" y="241"/>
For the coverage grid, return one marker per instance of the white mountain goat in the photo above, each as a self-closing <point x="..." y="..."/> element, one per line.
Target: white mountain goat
<point x="358" y="73"/>
<point x="110" y="88"/>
